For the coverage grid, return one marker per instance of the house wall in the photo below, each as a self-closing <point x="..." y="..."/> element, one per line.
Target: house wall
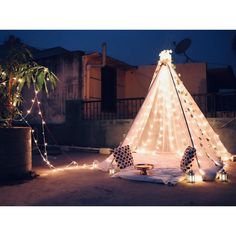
<point x="92" y="65"/>
<point x="193" y="75"/>
<point x="120" y="83"/>
<point x="66" y="68"/>
<point x="80" y="79"/>
<point x="95" y="84"/>
<point x="138" y="80"/>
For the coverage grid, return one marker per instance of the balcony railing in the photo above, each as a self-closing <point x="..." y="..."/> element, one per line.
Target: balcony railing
<point x="212" y="105"/>
<point x="125" y="109"/>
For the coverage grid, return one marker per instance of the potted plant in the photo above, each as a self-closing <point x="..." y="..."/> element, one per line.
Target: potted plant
<point x="17" y="71"/>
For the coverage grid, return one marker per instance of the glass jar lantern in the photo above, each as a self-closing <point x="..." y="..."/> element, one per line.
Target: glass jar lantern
<point x="223" y="176"/>
<point x="95" y="164"/>
<point x="191" y="177"/>
<point x="112" y="171"/>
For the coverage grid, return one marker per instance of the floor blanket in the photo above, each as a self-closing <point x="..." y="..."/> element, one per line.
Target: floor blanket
<point x="170" y="176"/>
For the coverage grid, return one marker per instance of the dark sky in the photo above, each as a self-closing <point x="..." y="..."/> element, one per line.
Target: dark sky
<point x="137" y="46"/>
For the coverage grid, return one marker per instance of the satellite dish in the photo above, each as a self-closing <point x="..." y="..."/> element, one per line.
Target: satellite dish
<point x="182" y="47"/>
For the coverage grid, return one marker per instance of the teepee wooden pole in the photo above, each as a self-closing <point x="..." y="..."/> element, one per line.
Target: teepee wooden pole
<point x="185" y="119"/>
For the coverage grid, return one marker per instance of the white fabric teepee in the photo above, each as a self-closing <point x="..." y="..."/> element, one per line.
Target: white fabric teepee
<point x="168" y="122"/>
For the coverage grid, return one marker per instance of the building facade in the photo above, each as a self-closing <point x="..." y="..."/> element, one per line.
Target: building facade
<point x="98" y="77"/>
<point x="67" y="66"/>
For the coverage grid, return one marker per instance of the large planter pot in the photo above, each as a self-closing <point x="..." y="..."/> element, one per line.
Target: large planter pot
<point x="15" y="152"/>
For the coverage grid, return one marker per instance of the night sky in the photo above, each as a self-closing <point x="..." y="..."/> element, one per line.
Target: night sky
<point x="137" y="47"/>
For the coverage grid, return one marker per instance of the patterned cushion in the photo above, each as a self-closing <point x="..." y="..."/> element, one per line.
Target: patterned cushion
<point x="188" y="157"/>
<point x="123" y="157"/>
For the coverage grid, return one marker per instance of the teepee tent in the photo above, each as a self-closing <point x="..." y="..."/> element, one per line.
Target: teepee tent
<point x="168" y="122"/>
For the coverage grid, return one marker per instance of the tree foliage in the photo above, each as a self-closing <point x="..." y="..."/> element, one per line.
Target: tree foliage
<point x="17" y="71"/>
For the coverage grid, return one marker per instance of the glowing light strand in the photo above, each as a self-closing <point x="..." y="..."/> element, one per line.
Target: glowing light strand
<point x="197" y="123"/>
<point x="178" y="95"/>
<point x="44" y="155"/>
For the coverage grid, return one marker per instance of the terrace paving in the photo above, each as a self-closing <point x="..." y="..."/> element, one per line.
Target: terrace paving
<point x="89" y="187"/>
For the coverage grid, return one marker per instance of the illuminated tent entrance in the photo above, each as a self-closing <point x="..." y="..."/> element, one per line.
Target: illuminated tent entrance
<point x="167" y="123"/>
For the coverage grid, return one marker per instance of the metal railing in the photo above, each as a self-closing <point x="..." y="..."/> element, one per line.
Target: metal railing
<point x="126" y="108"/>
<point x="217" y="104"/>
<point x="212" y="105"/>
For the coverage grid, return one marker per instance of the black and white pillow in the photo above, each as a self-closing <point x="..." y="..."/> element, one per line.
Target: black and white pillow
<point x="188" y="157"/>
<point x="123" y="157"/>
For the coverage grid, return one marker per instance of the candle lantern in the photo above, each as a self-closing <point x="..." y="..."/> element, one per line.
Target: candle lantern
<point x="112" y="171"/>
<point x="95" y="164"/>
<point x="223" y="176"/>
<point x="191" y="177"/>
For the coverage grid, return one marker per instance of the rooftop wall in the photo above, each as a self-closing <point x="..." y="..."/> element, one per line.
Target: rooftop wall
<point x="110" y="133"/>
<point x="193" y="75"/>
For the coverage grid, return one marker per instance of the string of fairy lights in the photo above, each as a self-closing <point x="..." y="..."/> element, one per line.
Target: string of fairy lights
<point x="43" y="152"/>
<point x="163" y="116"/>
<point x="201" y="124"/>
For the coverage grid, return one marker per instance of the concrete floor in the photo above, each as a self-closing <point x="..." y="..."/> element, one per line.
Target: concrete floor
<point x="86" y="187"/>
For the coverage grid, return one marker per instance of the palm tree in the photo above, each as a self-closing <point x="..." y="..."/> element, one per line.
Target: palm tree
<point x="17" y="69"/>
